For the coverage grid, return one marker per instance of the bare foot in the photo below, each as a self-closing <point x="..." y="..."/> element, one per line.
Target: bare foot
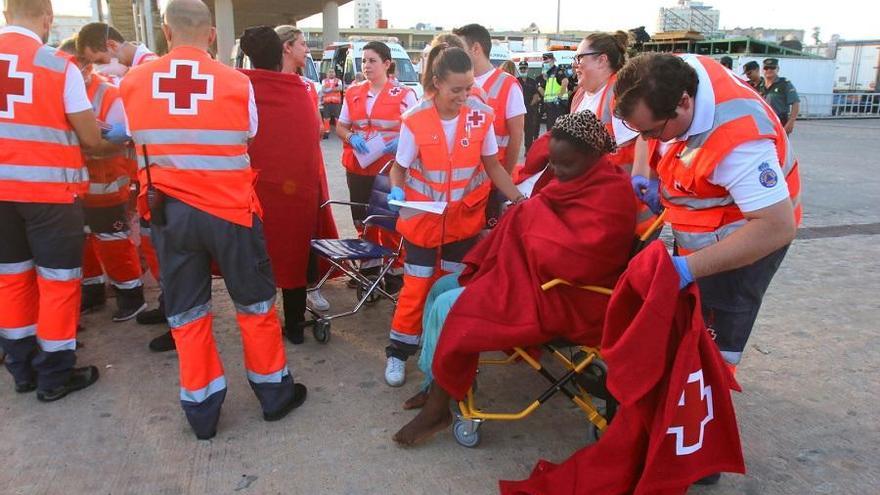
<point x="416" y="401"/>
<point x="422" y="428"/>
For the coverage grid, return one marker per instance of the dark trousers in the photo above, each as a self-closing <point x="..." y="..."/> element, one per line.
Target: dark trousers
<point x="554" y="111"/>
<point x="360" y="187"/>
<point x="41" y="252"/>
<point x="532" y="126"/>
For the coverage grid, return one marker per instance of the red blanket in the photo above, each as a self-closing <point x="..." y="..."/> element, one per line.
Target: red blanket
<point x="676" y="421"/>
<point x="581" y="231"/>
<point x="286" y="154"/>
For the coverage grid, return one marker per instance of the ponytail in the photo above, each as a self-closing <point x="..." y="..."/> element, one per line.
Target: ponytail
<point x="438" y="44"/>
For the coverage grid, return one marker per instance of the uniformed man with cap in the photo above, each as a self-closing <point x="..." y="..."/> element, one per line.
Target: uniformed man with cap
<point x="779" y="94"/>
<point x="752" y="71"/>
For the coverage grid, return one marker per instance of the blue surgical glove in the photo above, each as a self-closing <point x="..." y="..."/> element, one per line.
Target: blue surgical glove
<point x="391" y="147"/>
<point x="648" y="192"/>
<point x="396" y="194"/>
<point x="116" y="134"/>
<point x="684" y="272"/>
<point x="358" y="143"/>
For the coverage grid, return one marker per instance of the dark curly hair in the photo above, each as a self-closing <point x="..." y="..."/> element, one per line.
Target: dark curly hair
<point x="657" y="78"/>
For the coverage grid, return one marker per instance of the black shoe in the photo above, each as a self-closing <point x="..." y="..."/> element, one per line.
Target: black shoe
<point x="299" y="396"/>
<point x="207" y="436"/>
<point x="129" y="303"/>
<point x="151" y="317"/>
<point x="712" y="479"/>
<point x="163" y="343"/>
<point x="295" y="333"/>
<point x="93" y="298"/>
<point x="25" y="387"/>
<point x="80" y="378"/>
<point x="393" y="283"/>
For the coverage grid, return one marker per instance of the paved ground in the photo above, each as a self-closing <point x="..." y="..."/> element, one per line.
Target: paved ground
<point x="808" y="414"/>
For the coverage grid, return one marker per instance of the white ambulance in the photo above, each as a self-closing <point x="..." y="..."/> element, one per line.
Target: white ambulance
<point x="345" y="57"/>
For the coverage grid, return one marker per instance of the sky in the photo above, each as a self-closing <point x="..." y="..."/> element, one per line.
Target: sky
<point x="852" y="19"/>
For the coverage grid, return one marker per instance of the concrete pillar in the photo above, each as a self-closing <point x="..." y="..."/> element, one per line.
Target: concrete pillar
<point x="330" y="23"/>
<point x="150" y="35"/>
<point x="224" y="18"/>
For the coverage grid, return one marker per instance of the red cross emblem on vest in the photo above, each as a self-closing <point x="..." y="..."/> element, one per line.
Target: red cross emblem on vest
<point x="694" y="412"/>
<point x="15" y="87"/>
<point x="183" y="87"/>
<point x="396" y="90"/>
<point x="476" y="118"/>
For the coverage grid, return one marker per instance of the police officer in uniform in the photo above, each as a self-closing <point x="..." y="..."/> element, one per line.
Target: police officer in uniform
<point x="752" y="71"/>
<point x="780" y="94"/>
<point x="532" y="100"/>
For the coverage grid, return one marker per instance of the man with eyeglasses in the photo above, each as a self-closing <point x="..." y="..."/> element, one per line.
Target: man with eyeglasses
<point x="780" y="94"/>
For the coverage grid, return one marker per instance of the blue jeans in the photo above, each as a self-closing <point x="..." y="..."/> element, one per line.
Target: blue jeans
<point x="442" y="297"/>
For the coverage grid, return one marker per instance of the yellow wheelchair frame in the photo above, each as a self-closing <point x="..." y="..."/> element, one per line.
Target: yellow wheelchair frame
<point x="466" y="427"/>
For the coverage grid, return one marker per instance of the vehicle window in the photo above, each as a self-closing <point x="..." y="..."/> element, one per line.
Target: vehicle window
<point x="405" y="70"/>
<point x="310" y="71"/>
<point x="349" y="70"/>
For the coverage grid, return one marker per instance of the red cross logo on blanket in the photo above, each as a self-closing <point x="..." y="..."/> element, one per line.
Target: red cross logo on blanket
<point x="15" y="87"/>
<point x="395" y="91"/>
<point x="476" y="118"/>
<point x="693" y="414"/>
<point x="183" y="87"/>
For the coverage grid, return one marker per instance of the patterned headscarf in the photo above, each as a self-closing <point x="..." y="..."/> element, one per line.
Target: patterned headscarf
<point x="585" y="131"/>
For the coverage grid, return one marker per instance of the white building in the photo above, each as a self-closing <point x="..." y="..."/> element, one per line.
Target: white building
<point x="689" y="16"/>
<point x="66" y="26"/>
<point x="367" y="13"/>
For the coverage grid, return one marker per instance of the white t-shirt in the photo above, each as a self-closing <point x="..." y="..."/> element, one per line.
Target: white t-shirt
<point x="408" y="150"/>
<point x="75" y="97"/>
<point x="142" y="54"/>
<point x="408" y="102"/>
<point x="751" y="172"/>
<point x="592" y="101"/>
<point x="516" y="106"/>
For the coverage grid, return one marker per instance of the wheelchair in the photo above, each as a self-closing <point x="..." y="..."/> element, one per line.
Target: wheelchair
<point x="584" y="382"/>
<point x="348" y="255"/>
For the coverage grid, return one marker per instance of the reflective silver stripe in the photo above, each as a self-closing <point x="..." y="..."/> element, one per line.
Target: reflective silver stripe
<point x="190" y="136"/>
<point x="384" y="124"/>
<point x="694" y="241"/>
<point x="727" y="112"/>
<point x="59" y="274"/>
<point x="16" y="268"/>
<point x="275" y="377"/>
<point x="418" y="270"/>
<point x="19" y="332"/>
<point x="495" y="89"/>
<point x="788" y="166"/>
<point x="39" y="134"/>
<point x="477" y="181"/>
<point x="360" y="123"/>
<point x="99" y="280"/>
<point x="463" y="173"/>
<point x="115" y="236"/>
<point x="48" y="58"/>
<point x="503" y="141"/>
<point x="435" y="176"/>
<point x="99" y="188"/>
<point x="732" y="357"/>
<point x="98" y="99"/>
<point x="476" y="104"/>
<point x="422" y="188"/>
<point x="259" y="308"/>
<point x="36" y="173"/>
<point x="199" y="162"/>
<point x="404" y="338"/>
<point x="201" y="395"/>
<point x="129" y="284"/>
<point x="56" y="345"/>
<point x="424" y="105"/>
<point x="796" y="201"/>
<point x="189" y="316"/>
<point x="452" y="266"/>
<point x="695" y="203"/>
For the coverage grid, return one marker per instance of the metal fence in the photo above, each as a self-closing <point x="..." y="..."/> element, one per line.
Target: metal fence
<point x="842" y="105"/>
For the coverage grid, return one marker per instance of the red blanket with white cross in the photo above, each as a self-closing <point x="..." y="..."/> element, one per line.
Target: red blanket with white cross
<point x="676" y="421"/>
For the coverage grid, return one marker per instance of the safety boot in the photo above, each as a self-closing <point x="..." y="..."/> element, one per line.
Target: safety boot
<point x="129" y="302"/>
<point x="93" y="298"/>
<point x="153" y="316"/>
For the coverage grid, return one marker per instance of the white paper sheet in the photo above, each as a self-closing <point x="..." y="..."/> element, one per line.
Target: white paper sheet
<point x="527" y="186"/>
<point x="410" y="208"/>
<point x="375" y="149"/>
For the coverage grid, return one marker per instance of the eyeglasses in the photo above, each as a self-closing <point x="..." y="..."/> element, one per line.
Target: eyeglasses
<point x="579" y="56"/>
<point x="650" y="133"/>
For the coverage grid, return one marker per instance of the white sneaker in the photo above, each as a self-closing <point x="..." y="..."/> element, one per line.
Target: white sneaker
<point x="395" y="372"/>
<point x="316" y="301"/>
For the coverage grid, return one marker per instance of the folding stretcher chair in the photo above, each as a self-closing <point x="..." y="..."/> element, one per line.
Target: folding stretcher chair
<point x="347" y="256"/>
<point x="584" y="381"/>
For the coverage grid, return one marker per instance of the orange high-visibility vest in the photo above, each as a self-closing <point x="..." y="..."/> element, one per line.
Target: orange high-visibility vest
<point x="192" y="115"/>
<point x="700" y="212"/>
<point x="457" y="178"/>
<point x="40" y="158"/>
<point x="334" y="96"/>
<point x="109" y="177"/>
<point x="497" y="90"/>
<point x="384" y="119"/>
<point x="624" y="157"/>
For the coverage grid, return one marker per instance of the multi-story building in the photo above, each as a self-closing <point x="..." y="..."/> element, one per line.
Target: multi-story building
<point x="367" y="13"/>
<point x="774" y="35"/>
<point x="689" y="16"/>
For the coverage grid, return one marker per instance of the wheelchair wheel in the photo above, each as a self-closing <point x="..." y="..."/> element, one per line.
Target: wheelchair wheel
<point x="321" y="331"/>
<point x="467" y="432"/>
<point x="374" y="296"/>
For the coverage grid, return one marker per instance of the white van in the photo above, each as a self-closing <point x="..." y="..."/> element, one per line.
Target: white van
<point x="347" y="55"/>
<point x="499" y="54"/>
<point x="241" y="61"/>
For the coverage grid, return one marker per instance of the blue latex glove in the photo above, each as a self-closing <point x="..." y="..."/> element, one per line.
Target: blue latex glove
<point x="116" y="134"/>
<point x="396" y="194"/>
<point x="391" y="147"/>
<point x="684" y="272"/>
<point x="358" y="143"/>
<point x="648" y="192"/>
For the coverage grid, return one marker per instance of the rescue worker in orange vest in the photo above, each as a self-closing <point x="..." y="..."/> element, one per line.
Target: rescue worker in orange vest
<point x="727" y="177"/>
<point x="372" y="110"/>
<point x="447" y="153"/>
<point x="331" y="98"/>
<point x="108" y="244"/>
<point x="45" y="117"/>
<point x="191" y="119"/>
<point x="502" y="92"/>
